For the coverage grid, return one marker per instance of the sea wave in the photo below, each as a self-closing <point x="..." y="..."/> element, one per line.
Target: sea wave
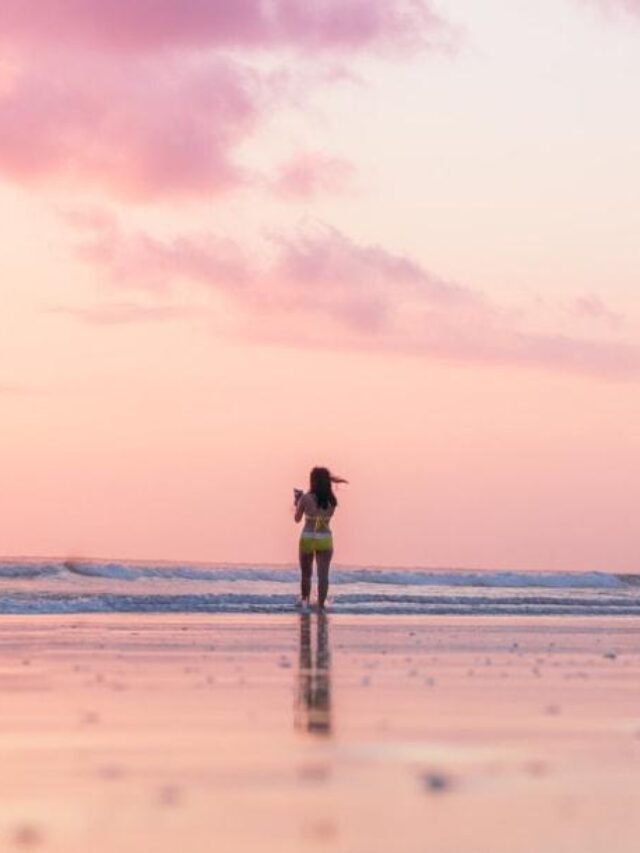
<point x="101" y="586"/>
<point x="130" y="571"/>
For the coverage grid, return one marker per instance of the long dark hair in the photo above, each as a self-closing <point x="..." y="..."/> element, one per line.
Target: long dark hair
<point x="320" y="485"/>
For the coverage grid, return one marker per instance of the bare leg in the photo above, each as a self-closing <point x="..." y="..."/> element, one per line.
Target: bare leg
<point x="306" y="570"/>
<point x="323" y="561"/>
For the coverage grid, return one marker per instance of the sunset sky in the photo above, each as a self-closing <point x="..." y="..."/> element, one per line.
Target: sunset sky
<point x="395" y="237"/>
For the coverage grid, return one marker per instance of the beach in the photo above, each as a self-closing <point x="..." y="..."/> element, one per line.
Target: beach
<point x="285" y="732"/>
<point x="305" y="304"/>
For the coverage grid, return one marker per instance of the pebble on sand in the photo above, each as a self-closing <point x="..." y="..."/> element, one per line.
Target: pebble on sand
<point x="90" y="718"/>
<point x="27" y="835"/>
<point x="169" y="795"/>
<point x="435" y="782"/>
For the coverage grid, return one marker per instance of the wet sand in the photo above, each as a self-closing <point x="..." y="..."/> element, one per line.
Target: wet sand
<point x="288" y="733"/>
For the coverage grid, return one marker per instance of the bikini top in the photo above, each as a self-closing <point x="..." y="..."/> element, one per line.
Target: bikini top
<point x="320" y="522"/>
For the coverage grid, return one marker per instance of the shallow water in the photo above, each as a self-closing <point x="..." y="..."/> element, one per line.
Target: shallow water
<point x="293" y="733"/>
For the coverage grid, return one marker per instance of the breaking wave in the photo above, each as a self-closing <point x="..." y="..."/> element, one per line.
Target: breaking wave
<point x="94" y="586"/>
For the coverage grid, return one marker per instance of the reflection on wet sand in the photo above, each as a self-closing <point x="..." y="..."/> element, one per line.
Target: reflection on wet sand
<point x="313" y="686"/>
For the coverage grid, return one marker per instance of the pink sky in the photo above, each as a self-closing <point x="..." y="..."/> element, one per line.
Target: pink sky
<point x="396" y="237"/>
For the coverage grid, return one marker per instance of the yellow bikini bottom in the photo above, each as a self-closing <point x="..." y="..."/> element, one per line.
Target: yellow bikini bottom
<point x="311" y="542"/>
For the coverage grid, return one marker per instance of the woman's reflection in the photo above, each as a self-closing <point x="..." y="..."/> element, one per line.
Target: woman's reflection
<point x="313" y="695"/>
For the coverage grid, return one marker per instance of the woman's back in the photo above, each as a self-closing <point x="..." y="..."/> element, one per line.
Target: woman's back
<point x="316" y="518"/>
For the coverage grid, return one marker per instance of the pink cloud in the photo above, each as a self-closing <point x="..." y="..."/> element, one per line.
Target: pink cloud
<point x="138" y="130"/>
<point x="123" y="25"/>
<point x="166" y="115"/>
<point x="632" y="6"/>
<point x="144" y="127"/>
<point x="321" y="289"/>
<point x="144" y="263"/>
<point x="365" y="288"/>
<point x="591" y="307"/>
<point x="307" y="175"/>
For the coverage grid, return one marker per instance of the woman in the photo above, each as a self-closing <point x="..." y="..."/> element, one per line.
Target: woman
<point x="317" y="506"/>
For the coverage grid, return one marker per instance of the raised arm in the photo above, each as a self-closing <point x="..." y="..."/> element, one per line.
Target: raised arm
<point x="300" y="506"/>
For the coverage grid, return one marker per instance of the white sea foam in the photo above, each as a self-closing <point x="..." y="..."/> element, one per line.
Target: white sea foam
<point x="75" y="586"/>
<point x="393" y="577"/>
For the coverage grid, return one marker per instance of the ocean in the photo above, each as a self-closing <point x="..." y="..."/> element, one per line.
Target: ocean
<point x="56" y="586"/>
